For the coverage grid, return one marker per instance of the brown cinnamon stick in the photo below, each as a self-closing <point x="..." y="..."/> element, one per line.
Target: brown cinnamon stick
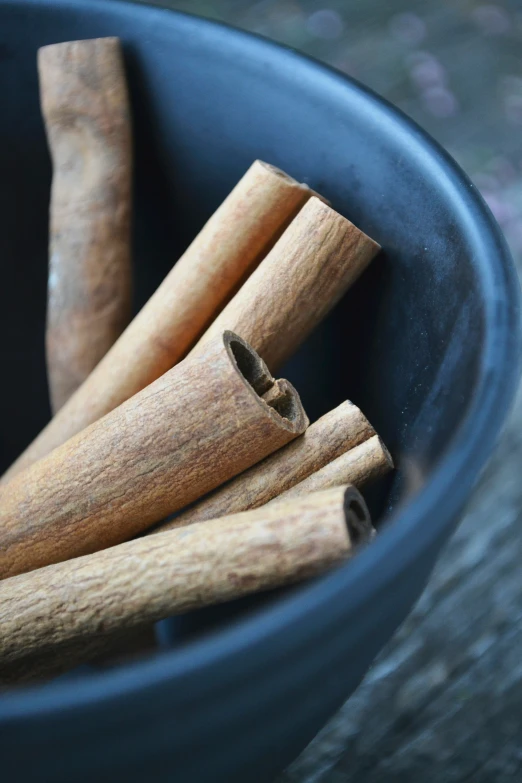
<point x="305" y="274"/>
<point x="229" y="246"/>
<point x="359" y="466"/>
<point x="86" y="110"/>
<point x="334" y="433"/>
<point x="150" y="578"/>
<point x="198" y="425"/>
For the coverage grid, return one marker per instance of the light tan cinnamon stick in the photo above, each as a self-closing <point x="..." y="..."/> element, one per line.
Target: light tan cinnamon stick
<point x="334" y="433"/>
<point x="359" y="466"/>
<point x="150" y="578"/>
<point x="229" y="246"/>
<point x="198" y="425"/>
<point x="305" y="274"/>
<point x="86" y="110"/>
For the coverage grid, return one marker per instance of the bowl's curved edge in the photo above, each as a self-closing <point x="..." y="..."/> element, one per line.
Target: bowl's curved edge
<point x="431" y="513"/>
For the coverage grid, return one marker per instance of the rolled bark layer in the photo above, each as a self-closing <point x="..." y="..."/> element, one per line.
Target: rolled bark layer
<point x="198" y="425"/>
<point x="229" y="246"/>
<point x="305" y="274"/>
<point x="359" y="466"/>
<point x="336" y="432"/>
<point x="59" y="607"/>
<point x="86" y="110"/>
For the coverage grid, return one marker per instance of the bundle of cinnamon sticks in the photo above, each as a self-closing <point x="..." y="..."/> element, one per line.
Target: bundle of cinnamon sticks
<point x="172" y="423"/>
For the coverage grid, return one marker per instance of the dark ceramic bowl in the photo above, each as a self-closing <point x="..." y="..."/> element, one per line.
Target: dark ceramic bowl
<point x="427" y="344"/>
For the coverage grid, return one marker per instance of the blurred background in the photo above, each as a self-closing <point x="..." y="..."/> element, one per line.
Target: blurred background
<point x="442" y="703"/>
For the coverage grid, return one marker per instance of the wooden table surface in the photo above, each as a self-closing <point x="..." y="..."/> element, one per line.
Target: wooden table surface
<point x="443" y="701"/>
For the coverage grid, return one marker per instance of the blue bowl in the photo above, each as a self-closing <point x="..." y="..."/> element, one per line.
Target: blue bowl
<point x="427" y="343"/>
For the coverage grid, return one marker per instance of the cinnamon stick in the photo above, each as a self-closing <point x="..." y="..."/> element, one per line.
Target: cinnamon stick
<point x="334" y="433"/>
<point x="198" y="425"/>
<point x="154" y="577"/>
<point x="359" y="466"/>
<point x="85" y="106"/>
<point x="305" y="274"/>
<point x="229" y="246"/>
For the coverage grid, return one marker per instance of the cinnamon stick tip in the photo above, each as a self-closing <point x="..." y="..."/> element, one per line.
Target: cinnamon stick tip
<point x="315" y="194"/>
<point x="387" y="456"/>
<point x="319" y="207"/>
<point x="343" y="409"/>
<point x="282" y="175"/>
<point x="110" y="41"/>
<point x="279" y="173"/>
<point x="358" y="520"/>
<point x="280" y="397"/>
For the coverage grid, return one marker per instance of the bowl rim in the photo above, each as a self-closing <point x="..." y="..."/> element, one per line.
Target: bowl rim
<point x="423" y="518"/>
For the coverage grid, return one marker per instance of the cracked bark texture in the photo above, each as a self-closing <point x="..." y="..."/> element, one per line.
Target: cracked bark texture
<point x="86" y="110"/>
<point x="192" y="429"/>
<point x="236" y="237"/>
<point x="334" y="433"/>
<point x="316" y="260"/>
<point x="141" y="581"/>
<point x="360" y="465"/>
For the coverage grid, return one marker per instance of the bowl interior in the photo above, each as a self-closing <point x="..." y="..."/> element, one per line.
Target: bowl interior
<point x="406" y="344"/>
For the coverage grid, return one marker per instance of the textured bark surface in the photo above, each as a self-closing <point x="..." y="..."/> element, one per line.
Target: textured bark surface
<point x="154" y="577"/>
<point x="229" y="246"/>
<point x="194" y="428"/>
<point x="305" y="274"/>
<point x="334" y="433"/>
<point x="360" y="465"/>
<point x="86" y="110"/>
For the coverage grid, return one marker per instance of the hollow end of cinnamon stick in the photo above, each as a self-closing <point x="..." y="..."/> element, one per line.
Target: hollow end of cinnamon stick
<point x="358" y="520"/>
<point x="279" y="396"/>
<point x="199" y="425"/>
<point x="57" y="616"/>
<point x="233" y="242"/>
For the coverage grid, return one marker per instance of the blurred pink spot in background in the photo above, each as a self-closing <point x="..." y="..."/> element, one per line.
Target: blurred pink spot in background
<point x="408" y="28"/>
<point x="510" y="86"/>
<point x="513" y="108"/>
<point x="491" y="19"/>
<point x="514" y="236"/>
<point x="326" y="23"/>
<point x="502" y="210"/>
<point x="346" y="64"/>
<point x="425" y="70"/>
<point x="440" y="102"/>
<point x="502" y="170"/>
